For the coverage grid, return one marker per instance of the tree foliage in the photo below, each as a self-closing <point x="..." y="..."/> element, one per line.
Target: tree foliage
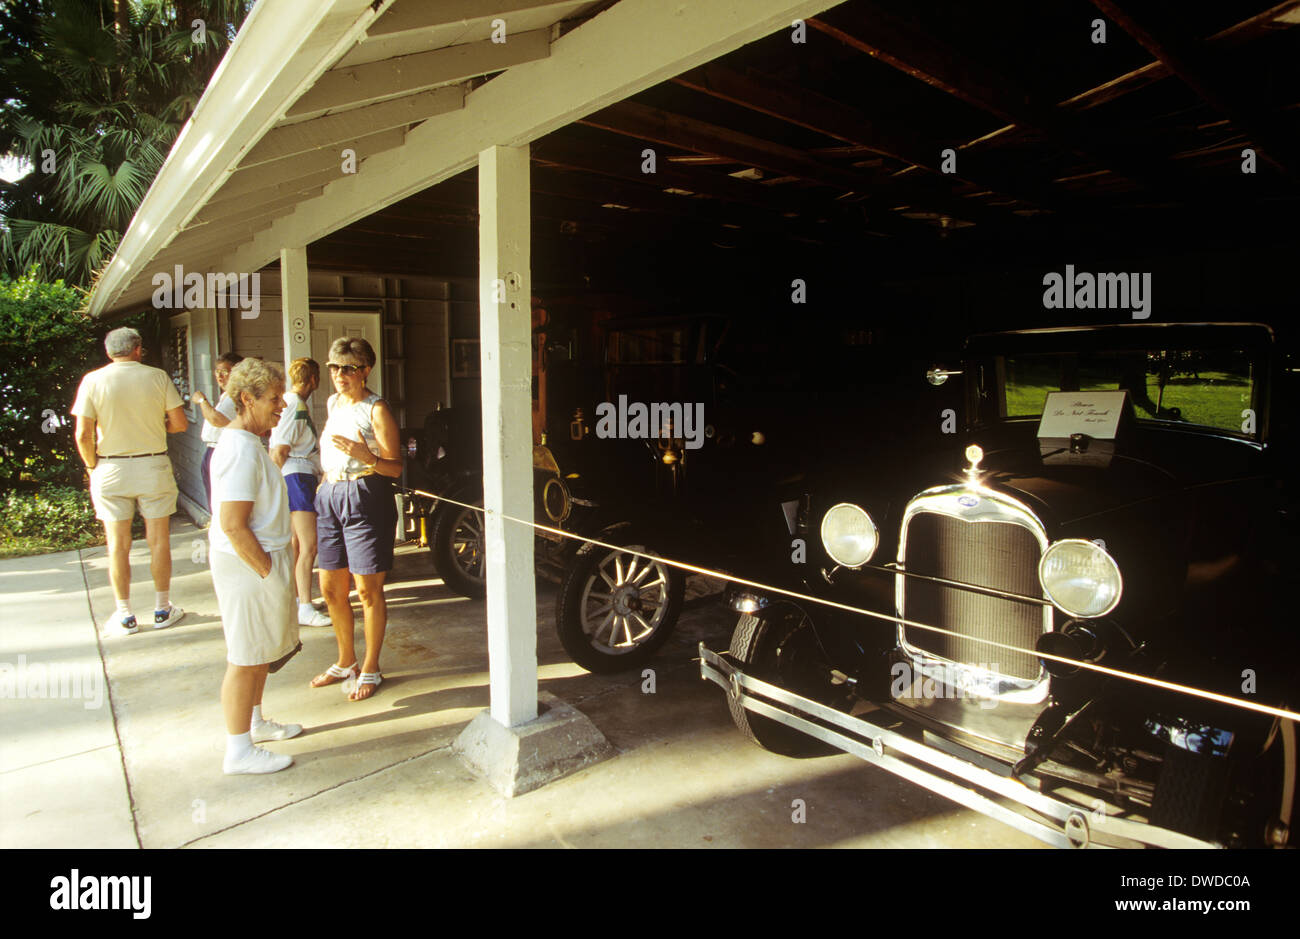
<point x="93" y="93"/>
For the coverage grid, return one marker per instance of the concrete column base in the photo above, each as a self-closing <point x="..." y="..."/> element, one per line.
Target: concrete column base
<point x="197" y="513"/>
<point x="559" y="741"/>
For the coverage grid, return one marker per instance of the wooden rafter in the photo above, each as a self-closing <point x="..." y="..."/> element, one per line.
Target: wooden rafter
<point x="376" y="81"/>
<point x="1179" y="55"/>
<point x="1249" y="28"/>
<point x="909" y="49"/>
<point x="675" y="130"/>
<point x="417" y="15"/>
<point x="804" y="108"/>
<point x="334" y="129"/>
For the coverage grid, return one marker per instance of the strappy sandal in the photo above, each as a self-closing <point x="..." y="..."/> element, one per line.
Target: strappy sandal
<point x="333" y="675"/>
<point x="367" y="678"/>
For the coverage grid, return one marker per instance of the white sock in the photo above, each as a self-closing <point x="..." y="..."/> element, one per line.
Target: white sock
<point x="162" y="599"/>
<point x="123" y="608"/>
<point x="257" y="714"/>
<point x="238" y="745"/>
<point x="305" y="609"/>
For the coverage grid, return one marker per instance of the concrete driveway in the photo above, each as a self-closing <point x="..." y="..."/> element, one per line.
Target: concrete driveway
<point x="130" y="753"/>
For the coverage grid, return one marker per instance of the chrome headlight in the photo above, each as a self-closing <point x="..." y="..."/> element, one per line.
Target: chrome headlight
<point x="849" y="535"/>
<point x="1080" y="578"/>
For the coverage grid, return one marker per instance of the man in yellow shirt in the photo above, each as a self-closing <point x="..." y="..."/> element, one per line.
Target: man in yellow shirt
<point x="124" y="412"/>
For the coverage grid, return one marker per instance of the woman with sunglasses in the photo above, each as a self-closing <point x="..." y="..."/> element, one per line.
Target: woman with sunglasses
<point x="356" y="516"/>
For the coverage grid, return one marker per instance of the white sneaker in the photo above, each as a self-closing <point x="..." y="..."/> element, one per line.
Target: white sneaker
<point x="257" y="760"/>
<point x="314" y="618"/>
<point x="270" y="730"/>
<point x="164" y="618"/>
<point x="123" y="626"/>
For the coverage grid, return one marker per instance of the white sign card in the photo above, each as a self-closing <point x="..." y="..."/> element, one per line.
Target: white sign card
<point x="1095" y="413"/>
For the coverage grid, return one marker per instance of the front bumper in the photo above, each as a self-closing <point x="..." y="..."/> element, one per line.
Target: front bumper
<point x="1049" y="819"/>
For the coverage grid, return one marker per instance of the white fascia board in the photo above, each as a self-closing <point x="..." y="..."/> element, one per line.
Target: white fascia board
<point x="633" y="45"/>
<point x="282" y="48"/>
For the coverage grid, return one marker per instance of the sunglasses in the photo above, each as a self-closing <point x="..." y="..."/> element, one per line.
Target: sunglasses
<point x="344" y="370"/>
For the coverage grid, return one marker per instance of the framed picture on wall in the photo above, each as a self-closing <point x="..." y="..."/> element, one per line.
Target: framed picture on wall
<point x="464" y="358"/>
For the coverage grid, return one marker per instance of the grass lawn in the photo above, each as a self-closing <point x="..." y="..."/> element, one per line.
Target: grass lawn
<point x="26" y="545"/>
<point x="1215" y="399"/>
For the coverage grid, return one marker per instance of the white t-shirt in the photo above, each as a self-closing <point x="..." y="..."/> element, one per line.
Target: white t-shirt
<point x="242" y="471"/>
<point x="210" y="434"/>
<point x="297" y="432"/>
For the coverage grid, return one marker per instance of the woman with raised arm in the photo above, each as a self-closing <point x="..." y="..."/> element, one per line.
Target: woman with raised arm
<point x="215" y="418"/>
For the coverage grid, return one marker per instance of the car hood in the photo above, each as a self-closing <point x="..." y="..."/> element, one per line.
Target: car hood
<point x="1151" y="463"/>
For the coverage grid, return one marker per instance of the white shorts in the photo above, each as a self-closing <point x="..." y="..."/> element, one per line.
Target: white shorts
<point x="117" y="485"/>
<point x="258" y="614"/>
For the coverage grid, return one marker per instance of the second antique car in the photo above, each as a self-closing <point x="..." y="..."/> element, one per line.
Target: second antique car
<point x="1076" y="619"/>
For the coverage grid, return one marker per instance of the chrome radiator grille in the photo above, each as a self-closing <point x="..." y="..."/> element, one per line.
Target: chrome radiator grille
<point x="1001" y="555"/>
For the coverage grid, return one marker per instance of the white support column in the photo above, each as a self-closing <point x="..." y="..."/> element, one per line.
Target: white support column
<point x="505" y="333"/>
<point x="295" y="305"/>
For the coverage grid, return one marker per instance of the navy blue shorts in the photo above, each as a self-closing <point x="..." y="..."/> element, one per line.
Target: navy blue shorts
<point x="302" y="491"/>
<point x="356" y="522"/>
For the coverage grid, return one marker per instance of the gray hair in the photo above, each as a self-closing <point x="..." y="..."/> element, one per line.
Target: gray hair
<point x="255" y="376"/>
<point x="353" y="347"/>
<point x="121" y="341"/>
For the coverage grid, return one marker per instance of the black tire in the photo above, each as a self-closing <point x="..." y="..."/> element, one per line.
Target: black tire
<point x="456" y="546"/>
<point x="780" y="647"/>
<point x="579" y="602"/>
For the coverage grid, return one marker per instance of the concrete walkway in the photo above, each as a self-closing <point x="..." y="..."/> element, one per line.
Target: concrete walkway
<point x="133" y="758"/>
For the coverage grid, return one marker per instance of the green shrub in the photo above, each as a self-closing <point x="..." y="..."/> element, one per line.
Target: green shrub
<point x="57" y="515"/>
<point x="47" y="344"/>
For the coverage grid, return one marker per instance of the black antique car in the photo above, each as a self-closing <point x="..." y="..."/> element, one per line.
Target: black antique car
<point x="767" y="405"/>
<point x="1073" y="617"/>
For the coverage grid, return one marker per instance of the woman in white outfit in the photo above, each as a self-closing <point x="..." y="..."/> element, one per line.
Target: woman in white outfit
<point x="252" y="567"/>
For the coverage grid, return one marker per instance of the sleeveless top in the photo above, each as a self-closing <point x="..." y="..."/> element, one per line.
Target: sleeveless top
<point x="351" y="420"/>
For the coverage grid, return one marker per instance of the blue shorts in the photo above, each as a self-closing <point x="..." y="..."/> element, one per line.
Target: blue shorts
<point x="356" y="522"/>
<point x="302" y="491"/>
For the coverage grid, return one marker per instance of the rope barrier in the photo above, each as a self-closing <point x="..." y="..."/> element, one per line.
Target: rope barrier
<point x="769" y="588"/>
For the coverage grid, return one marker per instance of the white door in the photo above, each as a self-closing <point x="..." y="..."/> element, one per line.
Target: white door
<point x="325" y="328"/>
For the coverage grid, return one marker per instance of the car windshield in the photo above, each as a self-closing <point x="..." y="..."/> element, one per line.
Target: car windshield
<point x="650" y="345"/>
<point x="1209" y="388"/>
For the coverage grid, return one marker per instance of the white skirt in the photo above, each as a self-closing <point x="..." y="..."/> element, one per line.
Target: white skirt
<point x="258" y="614"/>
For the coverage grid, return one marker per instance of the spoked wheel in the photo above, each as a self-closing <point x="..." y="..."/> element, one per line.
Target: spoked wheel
<point x="458" y="549"/>
<point x="780" y="646"/>
<point x="615" y="609"/>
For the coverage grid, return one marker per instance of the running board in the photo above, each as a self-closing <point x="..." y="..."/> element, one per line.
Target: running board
<point x="1064" y="825"/>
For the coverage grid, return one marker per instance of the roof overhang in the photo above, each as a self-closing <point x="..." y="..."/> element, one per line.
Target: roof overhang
<point x="405" y="86"/>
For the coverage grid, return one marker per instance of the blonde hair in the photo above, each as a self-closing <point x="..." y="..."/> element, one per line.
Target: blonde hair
<point x="255" y="376"/>
<point x="303" y="370"/>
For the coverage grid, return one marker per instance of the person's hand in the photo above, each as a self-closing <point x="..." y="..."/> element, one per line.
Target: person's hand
<point x="356" y="449"/>
<point x="199" y="398"/>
